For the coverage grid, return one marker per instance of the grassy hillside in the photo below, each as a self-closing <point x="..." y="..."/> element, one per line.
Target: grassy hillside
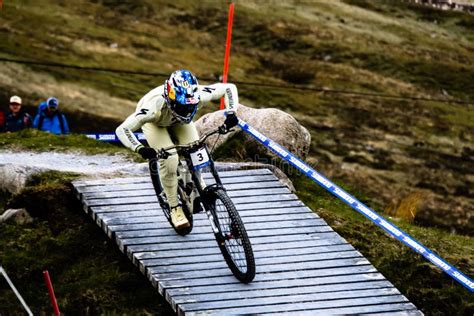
<point x="392" y="148"/>
<point x="394" y="151"/>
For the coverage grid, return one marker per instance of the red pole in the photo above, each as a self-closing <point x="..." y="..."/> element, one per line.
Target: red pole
<point x="227" y="47"/>
<point x="51" y="292"/>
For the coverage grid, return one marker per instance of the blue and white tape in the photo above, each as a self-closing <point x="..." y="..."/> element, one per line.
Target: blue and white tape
<point x="360" y="207"/>
<point x="111" y="137"/>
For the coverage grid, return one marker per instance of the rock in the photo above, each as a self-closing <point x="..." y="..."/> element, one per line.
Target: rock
<point x="19" y="216"/>
<point x="273" y="123"/>
<point x="13" y="177"/>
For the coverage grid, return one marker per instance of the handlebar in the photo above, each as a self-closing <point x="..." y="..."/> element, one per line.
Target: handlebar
<point x="165" y="151"/>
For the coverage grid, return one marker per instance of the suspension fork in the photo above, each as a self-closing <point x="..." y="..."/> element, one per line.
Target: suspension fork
<point x="155" y="176"/>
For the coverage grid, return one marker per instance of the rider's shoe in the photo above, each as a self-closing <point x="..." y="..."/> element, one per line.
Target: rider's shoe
<point x="178" y="218"/>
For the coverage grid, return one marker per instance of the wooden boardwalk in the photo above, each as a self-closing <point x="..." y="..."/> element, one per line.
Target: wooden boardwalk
<point x="303" y="266"/>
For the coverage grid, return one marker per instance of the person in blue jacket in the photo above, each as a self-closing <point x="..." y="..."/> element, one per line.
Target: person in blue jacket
<point x="50" y="119"/>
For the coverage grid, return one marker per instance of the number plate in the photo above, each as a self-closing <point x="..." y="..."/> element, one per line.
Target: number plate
<point x="200" y="158"/>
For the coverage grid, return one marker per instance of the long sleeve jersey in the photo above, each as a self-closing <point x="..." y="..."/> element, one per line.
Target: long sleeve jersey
<point x="152" y="108"/>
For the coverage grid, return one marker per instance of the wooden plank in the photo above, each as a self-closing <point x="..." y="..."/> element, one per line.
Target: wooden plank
<point x="146" y="177"/>
<point x="141" y="189"/>
<point x="159" y="224"/>
<point x="147" y="192"/>
<point x="205" y="244"/>
<point x="205" y="234"/>
<point x="285" y="235"/>
<point x="213" y="254"/>
<point x="162" y="228"/>
<point x="297" y="219"/>
<point x="265" y="264"/>
<point x="120" y="224"/>
<point x="96" y="184"/>
<point x="151" y="251"/>
<point x="193" y="277"/>
<point x="357" y="305"/>
<point x="271" y="214"/>
<point x="276" y="207"/>
<point x="368" y="271"/>
<point x="253" y="206"/>
<point x="285" y="281"/>
<point x="262" y="255"/>
<point x="153" y="199"/>
<point x="301" y="287"/>
<point x="125" y="188"/>
<point x="356" y="296"/>
<point x="400" y="309"/>
<point x="281" y="243"/>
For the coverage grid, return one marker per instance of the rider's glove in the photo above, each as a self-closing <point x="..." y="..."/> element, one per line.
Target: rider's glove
<point x="147" y="152"/>
<point x="231" y="120"/>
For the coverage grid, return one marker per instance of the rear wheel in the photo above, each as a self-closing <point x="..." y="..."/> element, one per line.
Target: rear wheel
<point x="155" y="179"/>
<point x="232" y="237"/>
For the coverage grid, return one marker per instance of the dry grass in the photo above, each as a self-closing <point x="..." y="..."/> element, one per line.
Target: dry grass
<point x="408" y="206"/>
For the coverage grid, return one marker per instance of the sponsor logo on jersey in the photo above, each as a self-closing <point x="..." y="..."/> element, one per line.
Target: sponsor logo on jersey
<point x="142" y="112"/>
<point x="208" y="89"/>
<point x="131" y="137"/>
<point x="231" y="98"/>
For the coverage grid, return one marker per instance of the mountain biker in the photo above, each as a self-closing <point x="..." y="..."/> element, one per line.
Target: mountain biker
<point x="165" y="116"/>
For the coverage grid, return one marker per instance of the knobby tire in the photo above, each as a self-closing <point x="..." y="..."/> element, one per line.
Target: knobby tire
<point x="235" y="246"/>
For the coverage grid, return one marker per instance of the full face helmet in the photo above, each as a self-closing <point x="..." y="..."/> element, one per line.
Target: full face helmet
<point x="182" y="95"/>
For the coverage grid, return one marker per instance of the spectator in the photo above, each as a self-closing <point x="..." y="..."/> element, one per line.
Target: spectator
<point x="16" y="119"/>
<point x="50" y="119"/>
<point x="2" y="121"/>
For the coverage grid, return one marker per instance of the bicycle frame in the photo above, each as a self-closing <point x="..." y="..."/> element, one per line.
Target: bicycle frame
<point x="195" y="173"/>
<point x="203" y="192"/>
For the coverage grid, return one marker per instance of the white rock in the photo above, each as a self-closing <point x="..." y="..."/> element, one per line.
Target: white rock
<point x="273" y="123"/>
<point x="20" y="216"/>
<point x="13" y="177"/>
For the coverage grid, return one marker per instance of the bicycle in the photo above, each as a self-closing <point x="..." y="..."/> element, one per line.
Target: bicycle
<point x="228" y="228"/>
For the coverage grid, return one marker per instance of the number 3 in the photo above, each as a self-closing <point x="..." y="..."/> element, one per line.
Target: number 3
<point x="200" y="157"/>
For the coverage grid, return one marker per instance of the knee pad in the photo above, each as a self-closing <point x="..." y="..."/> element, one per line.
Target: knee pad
<point x="168" y="166"/>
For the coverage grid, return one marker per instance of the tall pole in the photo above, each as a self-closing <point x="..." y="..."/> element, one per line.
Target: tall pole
<point x="227" y="47"/>
<point x="54" y="302"/>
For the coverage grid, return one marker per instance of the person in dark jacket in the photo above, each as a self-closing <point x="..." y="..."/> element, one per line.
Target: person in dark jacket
<point x="50" y="119"/>
<point x="2" y="121"/>
<point x="16" y="119"/>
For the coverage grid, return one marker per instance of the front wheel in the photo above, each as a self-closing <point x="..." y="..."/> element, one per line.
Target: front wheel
<point x="232" y="237"/>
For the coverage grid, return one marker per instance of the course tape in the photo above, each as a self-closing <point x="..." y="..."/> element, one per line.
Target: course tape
<point x="111" y="137"/>
<point x="360" y="207"/>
